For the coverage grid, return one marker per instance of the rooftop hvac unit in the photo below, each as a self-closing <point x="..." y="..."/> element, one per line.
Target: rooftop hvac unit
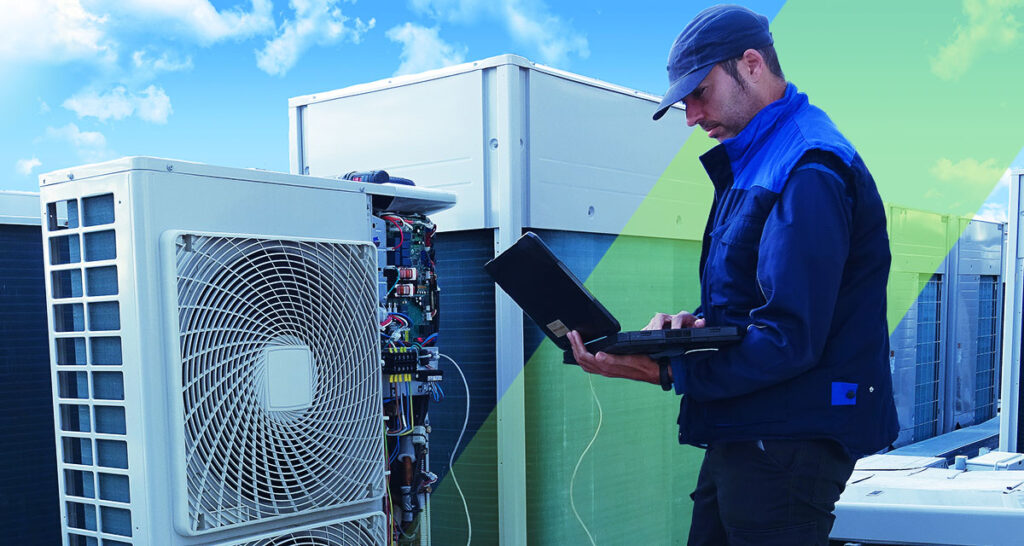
<point x="572" y="158"/>
<point x="216" y="364"/>
<point x="28" y="484"/>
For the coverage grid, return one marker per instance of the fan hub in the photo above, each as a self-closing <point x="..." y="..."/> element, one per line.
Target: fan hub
<point x="289" y="384"/>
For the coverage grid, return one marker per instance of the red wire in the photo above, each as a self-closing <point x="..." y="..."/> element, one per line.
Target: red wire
<point x="401" y="234"/>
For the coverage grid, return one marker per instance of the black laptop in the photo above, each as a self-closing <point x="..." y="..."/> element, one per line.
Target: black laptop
<point x="558" y="302"/>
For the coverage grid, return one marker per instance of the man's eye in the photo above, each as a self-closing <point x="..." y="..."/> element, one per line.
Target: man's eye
<point x="697" y="93"/>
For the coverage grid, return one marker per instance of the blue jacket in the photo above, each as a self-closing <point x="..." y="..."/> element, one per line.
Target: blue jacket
<point x="796" y="253"/>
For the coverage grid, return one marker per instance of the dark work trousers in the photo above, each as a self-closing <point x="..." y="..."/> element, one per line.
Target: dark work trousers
<point x="773" y="492"/>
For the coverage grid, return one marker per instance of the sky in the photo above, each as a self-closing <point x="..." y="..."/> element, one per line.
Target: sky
<point x="83" y="81"/>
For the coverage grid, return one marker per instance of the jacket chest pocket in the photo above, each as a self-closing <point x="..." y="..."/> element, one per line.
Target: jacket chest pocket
<point x="732" y="264"/>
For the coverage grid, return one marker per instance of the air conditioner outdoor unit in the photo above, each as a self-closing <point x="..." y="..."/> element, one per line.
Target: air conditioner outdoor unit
<point x="216" y="358"/>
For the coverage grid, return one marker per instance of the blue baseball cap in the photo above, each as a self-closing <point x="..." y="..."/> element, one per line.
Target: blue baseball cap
<point x="716" y="34"/>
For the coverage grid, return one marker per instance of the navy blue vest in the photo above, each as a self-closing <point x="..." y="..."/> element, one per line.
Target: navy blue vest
<point x="796" y="253"/>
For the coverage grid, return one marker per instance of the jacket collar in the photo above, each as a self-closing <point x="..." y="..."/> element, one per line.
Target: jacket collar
<point x="741" y="147"/>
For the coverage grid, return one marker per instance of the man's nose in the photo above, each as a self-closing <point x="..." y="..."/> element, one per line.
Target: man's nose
<point x="694" y="115"/>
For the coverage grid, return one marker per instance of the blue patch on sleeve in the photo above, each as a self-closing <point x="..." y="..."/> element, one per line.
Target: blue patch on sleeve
<point x="844" y="394"/>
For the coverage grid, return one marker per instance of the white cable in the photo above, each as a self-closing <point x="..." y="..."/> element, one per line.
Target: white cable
<point x="451" y="458"/>
<point x="572" y="482"/>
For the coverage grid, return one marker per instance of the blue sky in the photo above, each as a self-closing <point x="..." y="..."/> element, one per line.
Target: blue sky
<point x="208" y="81"/>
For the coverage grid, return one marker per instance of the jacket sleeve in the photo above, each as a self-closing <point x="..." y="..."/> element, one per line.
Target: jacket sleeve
<point x="802" y="253"/>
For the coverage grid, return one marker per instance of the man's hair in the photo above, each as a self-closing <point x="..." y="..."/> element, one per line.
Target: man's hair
<point x="771" y="60"/>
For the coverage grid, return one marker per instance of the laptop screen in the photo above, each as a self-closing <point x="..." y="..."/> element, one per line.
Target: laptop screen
<point x="549" y="293"/>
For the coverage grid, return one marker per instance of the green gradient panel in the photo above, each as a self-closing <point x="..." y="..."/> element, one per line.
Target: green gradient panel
<point x="936" y="135"/>
<point x="925" y="91"/>
<point x="919" y="241"/>
<point x="677" y="206"/>
<point x="476" y="471"/>
<point x="634" y="483"/>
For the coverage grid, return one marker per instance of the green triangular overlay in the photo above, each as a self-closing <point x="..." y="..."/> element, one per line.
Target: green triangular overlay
<point x="928" y="94"/>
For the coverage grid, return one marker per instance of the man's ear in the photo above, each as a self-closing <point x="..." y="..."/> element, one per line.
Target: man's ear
<point x="751" y="65"/>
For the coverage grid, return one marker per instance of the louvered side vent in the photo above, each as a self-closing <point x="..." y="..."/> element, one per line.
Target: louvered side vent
<point x="280" y="377"/>
<point x="370" y="530"/>
<point x="88" y="370"/>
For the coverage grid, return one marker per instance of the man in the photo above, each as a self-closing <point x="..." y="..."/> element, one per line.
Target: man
<point x="795" y="253"/>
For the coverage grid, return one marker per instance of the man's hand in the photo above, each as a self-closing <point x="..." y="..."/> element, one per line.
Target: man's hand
<point x="635" y="367"/>
<point x="682" y="319"/>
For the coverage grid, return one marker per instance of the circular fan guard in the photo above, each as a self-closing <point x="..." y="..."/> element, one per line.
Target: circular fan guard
<point x="236" y="298"/>
<point x="368" y="531"/>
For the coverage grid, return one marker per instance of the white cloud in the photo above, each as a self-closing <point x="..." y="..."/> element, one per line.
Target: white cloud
<point x="995" y="208"/>
<point x="25" y="166"/>
<point x="316" y="22"/>
<point x="151" y="104"/>
<point x="73" y="30"/>
<point x="168" y="61"/>
<point x="54" y="31"/>
<point x="990" y="27"/>
<point x="968" y="170"/>
<point x="423" y="49"/>
<point x="529" y="22"/>
<point x="113" y="105"/>
<point x="992" y="212"/>
<point x="197" y="19"/>
<point x="90" y="145"/>
<point x="43" y="107"/>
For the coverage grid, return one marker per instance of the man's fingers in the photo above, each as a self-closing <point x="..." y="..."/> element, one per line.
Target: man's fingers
<point x="682" y="319"/>
<point x="658" y="321"/>
<point x="699" y="323"/>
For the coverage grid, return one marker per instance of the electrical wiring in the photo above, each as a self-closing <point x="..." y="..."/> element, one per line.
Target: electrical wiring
<point x="572" y="482"/>
<point x="401" y="233"/>
<point x="394" y="219"/>
<point x="451" y="457"/>
<point x="408" y="395"/>
<point x="387" y="487"/>
<point x="415" y="528"/>
<point x="394" y="454"/>
<point x="430" y="338"/>
<point x="402" y="316"/>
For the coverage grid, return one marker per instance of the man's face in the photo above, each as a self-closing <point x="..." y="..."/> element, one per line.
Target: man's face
<point x="720" y="105"/>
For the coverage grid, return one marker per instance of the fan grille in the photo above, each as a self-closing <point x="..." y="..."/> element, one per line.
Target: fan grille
<point x="237" y="298"/>
<point x="366" y="531"/>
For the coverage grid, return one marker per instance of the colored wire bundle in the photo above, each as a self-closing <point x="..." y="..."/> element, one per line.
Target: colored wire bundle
<point x="401" y="233"/>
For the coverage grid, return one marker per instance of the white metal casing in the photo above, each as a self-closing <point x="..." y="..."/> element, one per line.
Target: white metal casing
<point x="975" y="269"/>
<point x="1013" y="320"/>
<point x="586" y="152"/>
<point x="153" y="197"/>
<point x="19" y="208"/>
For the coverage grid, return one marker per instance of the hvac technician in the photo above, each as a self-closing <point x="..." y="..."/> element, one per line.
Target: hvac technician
<point x="796" y="253"/>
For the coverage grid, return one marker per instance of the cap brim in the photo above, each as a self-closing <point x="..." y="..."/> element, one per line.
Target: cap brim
<point x="682" y="87"/>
